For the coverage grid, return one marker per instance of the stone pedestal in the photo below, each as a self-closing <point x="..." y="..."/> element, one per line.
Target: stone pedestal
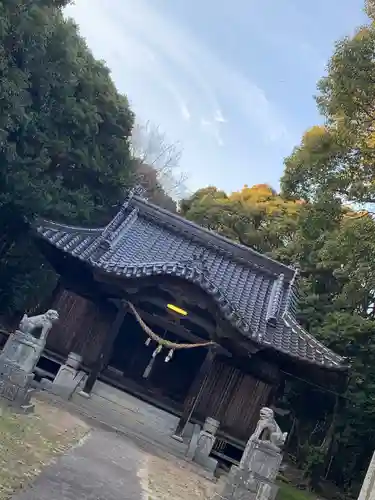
<point x="205" y="443"/>
<point x="245" y="485"/>
<point x="69" y="377"/>
<point x="255" y="478"/>
<point x="18" y="359"/>
<point x="15" y="386"/>
<point x="23" y="350"/>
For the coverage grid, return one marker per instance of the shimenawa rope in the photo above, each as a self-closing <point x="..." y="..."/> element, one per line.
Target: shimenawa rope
<point x="159" y="340"/>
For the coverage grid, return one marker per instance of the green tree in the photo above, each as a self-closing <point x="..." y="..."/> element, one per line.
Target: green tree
<point x="330" y="171"/>
<point x="64" y="128"/>
<point x="333" y="165"/>
<point x="332" y="436"/>
<point x="255" y="216"/>
<point x="339" y="157"/>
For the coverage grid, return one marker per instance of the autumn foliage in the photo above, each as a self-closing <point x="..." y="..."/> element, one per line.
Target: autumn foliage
<point x="322" y="220"/>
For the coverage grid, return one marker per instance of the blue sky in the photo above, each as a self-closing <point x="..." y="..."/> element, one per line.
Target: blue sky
<point x="231" y="81"/>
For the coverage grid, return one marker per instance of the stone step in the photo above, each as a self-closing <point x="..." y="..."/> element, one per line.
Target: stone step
<point x="131" y="417"/>
<point x="142" y="411"/>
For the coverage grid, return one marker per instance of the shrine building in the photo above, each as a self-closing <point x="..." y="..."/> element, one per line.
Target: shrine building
<point x="179" y="316"/>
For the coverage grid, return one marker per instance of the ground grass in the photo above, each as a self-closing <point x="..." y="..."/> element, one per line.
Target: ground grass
<point x="30" y="442"/>
<point x="178" y="480"/>
<point x="167" y="479"/>
<point x="174" y="479"/>
<point x="288" y="492"/>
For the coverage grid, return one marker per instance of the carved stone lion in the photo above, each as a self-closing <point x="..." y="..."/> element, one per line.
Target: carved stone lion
<point x="268" y="430"/>
<point x="42" y="322"/>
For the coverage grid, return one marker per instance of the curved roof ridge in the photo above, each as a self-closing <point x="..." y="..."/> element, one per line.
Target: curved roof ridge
<point x="213" y="234"/>
<point x="292" y="323"/>
<point x="46" y="223"/>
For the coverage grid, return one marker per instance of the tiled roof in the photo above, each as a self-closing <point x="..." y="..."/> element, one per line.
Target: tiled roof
<point x="255" y="293"/>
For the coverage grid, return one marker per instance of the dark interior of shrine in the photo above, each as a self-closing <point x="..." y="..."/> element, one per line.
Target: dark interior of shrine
<point x="131" y="365"/>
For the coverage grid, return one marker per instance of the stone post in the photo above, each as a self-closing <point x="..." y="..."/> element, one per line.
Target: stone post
<point x="205" y="443"/>
<point x="368" y="486"/>
<point x="69" y="377"/>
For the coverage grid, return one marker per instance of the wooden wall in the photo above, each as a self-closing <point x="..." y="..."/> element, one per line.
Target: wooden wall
<point x="82" y="327"/>
<point x="234" y="398"/>
<point x="229" y="395"/>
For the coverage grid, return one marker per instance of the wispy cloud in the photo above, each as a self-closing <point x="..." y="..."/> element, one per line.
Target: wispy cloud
<point x="185" y="111"/>
<point x="211" y="128"/>
<point x="180" y="101"/>
<point x="138" y="37"/>
<point x="219" y="116"/>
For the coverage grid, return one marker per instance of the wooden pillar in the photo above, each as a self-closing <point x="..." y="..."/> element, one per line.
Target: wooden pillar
<point x="106" y="350"/>
<point x="194" y="393"/>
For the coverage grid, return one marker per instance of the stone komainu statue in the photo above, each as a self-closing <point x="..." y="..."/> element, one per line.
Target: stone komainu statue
<point x="268" y="430"/>
<point x="42" y="323"/>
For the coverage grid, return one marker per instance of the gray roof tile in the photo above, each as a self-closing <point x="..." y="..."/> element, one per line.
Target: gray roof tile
<point x="255" y="293"/>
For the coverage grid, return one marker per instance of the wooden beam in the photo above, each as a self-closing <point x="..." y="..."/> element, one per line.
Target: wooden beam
<point x="106" y="350"/>
<point x="135" y="289"/>
<point x="193" y="317"/>
<point x="194" y="393"/>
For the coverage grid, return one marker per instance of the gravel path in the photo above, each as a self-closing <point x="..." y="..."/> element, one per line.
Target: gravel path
<point x="104" y="467"/>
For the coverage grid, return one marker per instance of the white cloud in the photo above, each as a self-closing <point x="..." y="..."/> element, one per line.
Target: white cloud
<point x="219" y="116"/>
<point x="185" y="111"/>
<point x="174" y="80"/>
<point x="210" y="127"/>
<point x="182" y="106"/>
<point x="134" y="38"/>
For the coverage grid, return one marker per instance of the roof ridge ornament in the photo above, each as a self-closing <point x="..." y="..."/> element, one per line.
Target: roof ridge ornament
<point x="113" y="225"/>
<point x="137" y="190"/>
<point x="274" y="302"/>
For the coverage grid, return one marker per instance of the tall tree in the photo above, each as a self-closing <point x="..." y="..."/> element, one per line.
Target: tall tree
<point x="64" y="128"/>
<point x="255" y="216"/>
<point x="333" y="165"/>
<point x="333" y="439"/>
<point x="339" y="156"/>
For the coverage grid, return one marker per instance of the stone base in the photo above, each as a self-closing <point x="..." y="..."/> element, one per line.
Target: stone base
<point x="84" y="394"/>
<point x="16" y="408"/>
<point x="180" y="439"/>
<point x="193" y="442"/>
<point x="245" y="485"/>
<point x="23" y="350"/>
<point x="205" y="443"/>
<point x="67" y="381"/>
<point x="255" y="478"/>
<point x="262" y="458"/>
<point x="15" y="386"/>
<point x="208" y="463"/>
